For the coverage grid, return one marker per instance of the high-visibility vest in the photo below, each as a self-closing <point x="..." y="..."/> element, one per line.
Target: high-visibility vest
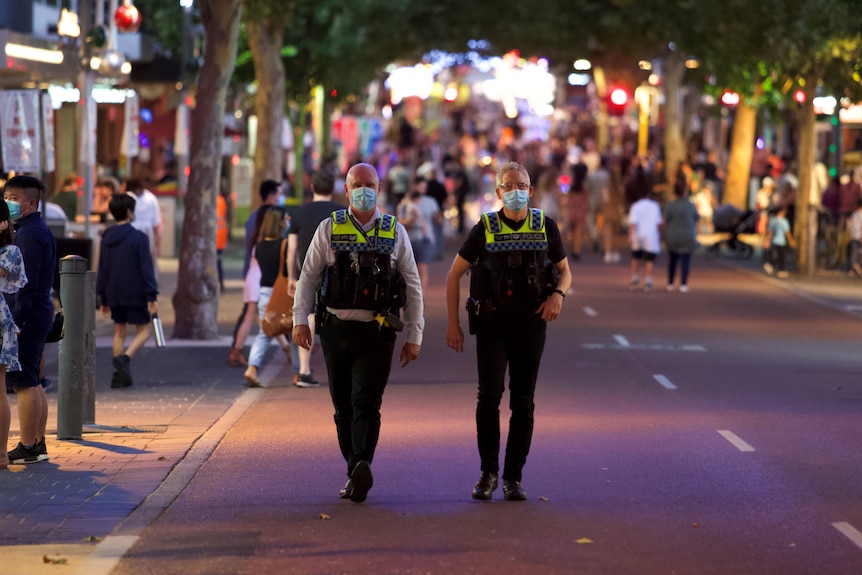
<point x="362" y="276"/>
<point x="514" y="272"/>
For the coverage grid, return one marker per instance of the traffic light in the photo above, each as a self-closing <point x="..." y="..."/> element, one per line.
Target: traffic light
<point x="618" y="99"/>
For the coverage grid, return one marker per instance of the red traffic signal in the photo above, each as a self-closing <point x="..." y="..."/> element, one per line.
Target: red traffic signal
<point x="618" y="99"/>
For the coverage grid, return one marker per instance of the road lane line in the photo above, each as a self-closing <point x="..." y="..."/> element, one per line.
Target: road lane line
<point x="590" y="312"/>
<point x="621" y="340"/>
<point x="737" y="441"/>
<point x="664" y="381"/>
<point x="849" y="532"/>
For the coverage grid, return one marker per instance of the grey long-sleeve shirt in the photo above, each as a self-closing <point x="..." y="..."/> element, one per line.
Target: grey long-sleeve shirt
<point x="320" y="255"/>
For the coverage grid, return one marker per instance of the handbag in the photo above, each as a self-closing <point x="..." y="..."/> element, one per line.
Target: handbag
<point x="278" y="317"/>
<point x="57" y="329"/>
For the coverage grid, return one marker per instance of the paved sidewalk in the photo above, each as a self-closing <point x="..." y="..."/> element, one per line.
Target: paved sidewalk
<point x="150" y="439"/>
<point x="60" y="509"/>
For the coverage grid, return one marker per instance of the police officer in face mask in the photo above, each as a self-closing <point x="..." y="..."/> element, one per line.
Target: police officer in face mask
<point x="361" y="270"/>
<point x="519" y="277"/>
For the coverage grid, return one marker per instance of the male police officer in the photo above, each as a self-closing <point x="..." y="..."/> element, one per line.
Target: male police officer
<point x="362" y="263"/>
<point x="519" y="279"/>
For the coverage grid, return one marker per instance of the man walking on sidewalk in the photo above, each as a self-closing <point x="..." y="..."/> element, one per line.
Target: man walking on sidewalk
<point x="302" y="227"/>
<point x="362" y="262"/>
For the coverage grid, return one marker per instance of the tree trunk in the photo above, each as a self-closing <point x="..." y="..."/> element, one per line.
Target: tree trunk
<point x="673" y="69"/>
<point x="299" y="152"/>
<point x="805" y="225"/>
<point x="741" y="152"/>
<point x="196" y="299"/>
<point x="265" y="39"/>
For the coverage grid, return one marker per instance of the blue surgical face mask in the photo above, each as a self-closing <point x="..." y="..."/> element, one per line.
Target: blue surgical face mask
<point x="363" y="199"/>
<point x="14" y="210"/>
<point x="516" y="200"/>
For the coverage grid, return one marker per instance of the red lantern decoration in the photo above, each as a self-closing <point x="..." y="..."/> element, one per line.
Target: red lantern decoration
<point x="127" y="18"/>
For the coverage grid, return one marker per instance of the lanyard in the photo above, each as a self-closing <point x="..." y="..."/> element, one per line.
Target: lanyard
<point x="364" y="235"/>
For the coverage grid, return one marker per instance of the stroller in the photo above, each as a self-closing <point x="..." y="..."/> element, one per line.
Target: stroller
<point x="732" y="221"/>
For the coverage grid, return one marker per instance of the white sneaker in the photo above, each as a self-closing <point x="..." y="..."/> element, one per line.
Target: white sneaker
<point x="768" y="268"/>
<point x="783" y="274"/>
<point x="683" y="289"/>
<point x="608" y="257"/>
<point x="670" y="287"/>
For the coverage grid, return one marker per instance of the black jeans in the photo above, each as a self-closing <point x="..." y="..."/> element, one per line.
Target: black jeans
<point x="684" y="261"/>
<point x="516" y="341"/>
<point x="358" y="358"/>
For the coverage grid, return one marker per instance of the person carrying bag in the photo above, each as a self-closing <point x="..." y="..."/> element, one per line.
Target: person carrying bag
<point x="278" y="317"/>
<point x="274" y="305"/>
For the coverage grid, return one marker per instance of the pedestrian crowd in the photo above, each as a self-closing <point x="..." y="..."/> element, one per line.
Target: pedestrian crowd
<point x="354" y="260"/>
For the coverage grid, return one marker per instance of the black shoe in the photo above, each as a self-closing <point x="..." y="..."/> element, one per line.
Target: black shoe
<point x="512" y="491"/>
<point x="124" y="373"/>
<point x="22" y="454"/>
<point x="305" y="380"/>
<point x="345" y="491"/>
<point x="362" y="481"/>
<point x="42" y="450"/>
<point x="485" y="487"/>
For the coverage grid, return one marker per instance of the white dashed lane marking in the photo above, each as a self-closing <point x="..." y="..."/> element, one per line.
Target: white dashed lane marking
<point x="664" y="381"/>
<point x="734" y="439"/>
<point x="849" y="532"/>
<point x="590" y="312"/>
<point x="621" y="340"/>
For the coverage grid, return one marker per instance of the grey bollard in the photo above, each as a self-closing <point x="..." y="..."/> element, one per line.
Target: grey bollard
<point x="90" y="349"/>
<point x="70" y="389"/>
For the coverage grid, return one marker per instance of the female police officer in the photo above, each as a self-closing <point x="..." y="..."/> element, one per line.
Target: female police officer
<point x="519" y="278"/>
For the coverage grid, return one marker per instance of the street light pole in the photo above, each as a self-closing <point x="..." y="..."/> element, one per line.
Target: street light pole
<point x="86" y="117"/>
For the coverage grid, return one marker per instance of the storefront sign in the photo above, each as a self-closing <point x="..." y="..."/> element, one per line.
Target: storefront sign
<point x="20" y="128"/>
<point x="48" y="131"/>
<point x="130" y="146"/>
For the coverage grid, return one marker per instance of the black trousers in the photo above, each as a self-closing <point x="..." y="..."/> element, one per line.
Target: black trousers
<point x="358" y="359"/>
<point x="516" y="342"/>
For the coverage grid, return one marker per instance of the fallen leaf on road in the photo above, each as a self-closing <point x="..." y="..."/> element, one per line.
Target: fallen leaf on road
<point x="93" y="539"/>
<point x="325" y="516"/>
<point x="161" y="458"/>
<point x="695" y="524"/>
<point x="583" y="540"/>
<point x="60" y="561"/>
<point x="543" y="498"/>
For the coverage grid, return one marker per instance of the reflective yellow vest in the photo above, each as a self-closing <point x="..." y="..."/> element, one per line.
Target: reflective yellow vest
<point x="515" y="273"/>
<point x="362" y="276"/>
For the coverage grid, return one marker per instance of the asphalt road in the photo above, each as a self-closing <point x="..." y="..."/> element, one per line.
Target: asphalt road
<point x="716" y="431"/>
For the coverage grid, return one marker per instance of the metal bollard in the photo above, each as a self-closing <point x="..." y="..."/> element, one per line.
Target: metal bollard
<point x="89" y="398"/>
<point x="73" y="356"/>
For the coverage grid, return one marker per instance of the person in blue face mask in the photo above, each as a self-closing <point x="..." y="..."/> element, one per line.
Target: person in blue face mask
<point x="33" y="311"/>
<point x="518" y="280"/>
<point x="360" y="267"/>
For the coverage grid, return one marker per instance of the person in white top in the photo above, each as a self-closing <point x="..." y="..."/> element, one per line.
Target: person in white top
<point x="148" y="216"/>
<point x="645" y="225"/>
